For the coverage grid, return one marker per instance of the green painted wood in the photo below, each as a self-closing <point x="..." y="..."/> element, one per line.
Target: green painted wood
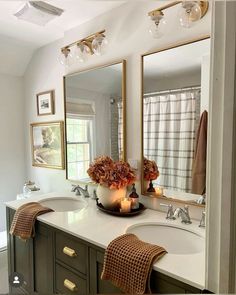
<point x="62" y="274"/>
<point x="20" y="258"/>
<point x="43" y="259"/>
<point x="33" y="259"/>
<point x="79" y="262"/>
<point x="45" y="266"/>
<point x="98" y="286"/>
<point x="162" y="284"/>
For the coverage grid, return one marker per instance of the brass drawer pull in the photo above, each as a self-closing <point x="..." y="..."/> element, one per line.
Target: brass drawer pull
<point x="69" y="285"/>
<point x="69" y="252"/>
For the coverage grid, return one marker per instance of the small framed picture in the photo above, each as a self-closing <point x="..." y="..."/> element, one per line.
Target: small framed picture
<point x="47" y="143"/>
<point x="45" y="103"/>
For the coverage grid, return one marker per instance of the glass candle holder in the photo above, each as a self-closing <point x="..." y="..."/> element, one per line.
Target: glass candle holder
<point x="159" y="191"/>
<point x="125" y="205"/>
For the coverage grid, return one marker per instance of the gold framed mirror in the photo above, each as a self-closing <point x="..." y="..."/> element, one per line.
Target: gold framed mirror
<point x="95" y="117"/>
<point x="174" y="110"/>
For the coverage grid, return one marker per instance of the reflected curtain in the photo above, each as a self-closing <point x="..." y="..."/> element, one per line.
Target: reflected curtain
<point x="169" y="136"/>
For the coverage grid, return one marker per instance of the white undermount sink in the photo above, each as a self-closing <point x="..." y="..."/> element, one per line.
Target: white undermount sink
<point x="64" y="204"/>
<point x="176" y="240"/>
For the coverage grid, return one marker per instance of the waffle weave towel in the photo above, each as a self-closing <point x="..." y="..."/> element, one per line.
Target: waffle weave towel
<point x="24" y="219"/>
<point x="128" y="263"/>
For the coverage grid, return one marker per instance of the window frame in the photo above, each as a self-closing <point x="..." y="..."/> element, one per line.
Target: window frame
<point x="90" y="139"/>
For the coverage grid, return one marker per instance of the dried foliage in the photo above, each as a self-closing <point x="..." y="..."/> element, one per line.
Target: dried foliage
<point x="111" y="174"/>
<point x="150" y="169"/>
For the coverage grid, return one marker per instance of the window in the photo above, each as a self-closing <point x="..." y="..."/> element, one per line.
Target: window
<point x="79" y="145"/>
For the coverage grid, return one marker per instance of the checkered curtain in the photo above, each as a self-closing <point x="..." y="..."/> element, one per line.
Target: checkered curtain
<point x="169" y="136"/>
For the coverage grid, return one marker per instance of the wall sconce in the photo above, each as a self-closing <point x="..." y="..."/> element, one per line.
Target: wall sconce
<point x="82" y="49"/>
<point x="190" y="12"/>
<point x="158" y="23"/>
<point x="65" y="57"/>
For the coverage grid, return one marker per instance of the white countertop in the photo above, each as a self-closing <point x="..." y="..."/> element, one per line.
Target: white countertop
<point x="98" y="228"/>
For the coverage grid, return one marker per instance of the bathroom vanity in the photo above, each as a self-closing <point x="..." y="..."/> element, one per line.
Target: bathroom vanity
<point x="66" y="255"/>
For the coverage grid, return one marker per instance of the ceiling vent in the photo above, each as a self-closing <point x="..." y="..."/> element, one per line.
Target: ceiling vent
<point x="38" y="12"/>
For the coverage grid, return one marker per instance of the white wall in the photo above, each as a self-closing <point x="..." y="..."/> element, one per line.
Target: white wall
<point x="12" y="169"/>
<point x="127" y="32"/>
<point x="44" y="73"/>
<point x="172" y="82"/>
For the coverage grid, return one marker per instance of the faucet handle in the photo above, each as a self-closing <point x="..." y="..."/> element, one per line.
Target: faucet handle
<point x="203" y="220"/>
<point x="73" y="188"/>
<point x="170" y="211"/>
<point x="95" y="197"/>
<point x="186" y="207"/>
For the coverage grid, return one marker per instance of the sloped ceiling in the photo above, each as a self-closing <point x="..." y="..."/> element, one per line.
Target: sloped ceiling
<point x="15" y="55"/>
<point x="19" y="39"/>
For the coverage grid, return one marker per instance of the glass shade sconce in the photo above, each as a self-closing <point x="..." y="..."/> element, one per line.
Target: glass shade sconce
<point x="189" y="13"/>
<point x="82" y="49"/>
<point x="158" y="23"/>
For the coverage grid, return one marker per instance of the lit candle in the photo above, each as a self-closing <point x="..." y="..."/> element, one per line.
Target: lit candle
<point x="159" y="191"/>
<point x="125" y="205"/>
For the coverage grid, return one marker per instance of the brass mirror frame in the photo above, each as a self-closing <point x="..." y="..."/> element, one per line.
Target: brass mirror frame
<point x="123" y="63"/>
<point x="175" y="45"/>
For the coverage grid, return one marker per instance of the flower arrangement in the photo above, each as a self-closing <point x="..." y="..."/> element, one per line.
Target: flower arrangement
<point x="150" y="169"/>
<point x="112" y="174"/>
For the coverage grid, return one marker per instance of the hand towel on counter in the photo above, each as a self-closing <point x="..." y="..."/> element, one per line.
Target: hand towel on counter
<point x="199" y="162"/>
<point x="24" y="219"/>
<point x="128" y="263"/>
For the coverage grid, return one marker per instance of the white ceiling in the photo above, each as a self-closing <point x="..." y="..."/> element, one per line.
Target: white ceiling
<point x="183" y="59"/>
<point x="17" y="35"/>
<point x="102" y="80"/>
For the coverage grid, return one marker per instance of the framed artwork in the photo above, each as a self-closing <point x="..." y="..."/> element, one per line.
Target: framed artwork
<point x="45" y="103"/>
<point x="47" y="144"/>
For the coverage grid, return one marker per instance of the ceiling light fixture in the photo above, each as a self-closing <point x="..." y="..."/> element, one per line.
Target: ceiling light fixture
<point x="82" y="49"/>
<point x="38" y="12"/>
<point x="190" y="12"/>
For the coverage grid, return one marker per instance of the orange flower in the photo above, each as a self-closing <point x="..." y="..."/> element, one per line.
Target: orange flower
<point x="112" y="174"/>
<point x="150" y="169"/>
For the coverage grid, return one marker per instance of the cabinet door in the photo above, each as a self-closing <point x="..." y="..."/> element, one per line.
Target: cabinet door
<point x="19" y="258"/>
<point x="43" y="259"/>
<point x="79" y="260"/>
<point x="33" y="259"/>
<point x="75" y="283"/>
<point x="162" y="284"/>
<point x="98" y="286"/>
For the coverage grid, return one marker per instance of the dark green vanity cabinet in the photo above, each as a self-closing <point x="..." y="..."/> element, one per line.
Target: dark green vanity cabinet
<point x="33" y="259"/>
<point x="58" y="263"/>
<point x="98" y="286"/>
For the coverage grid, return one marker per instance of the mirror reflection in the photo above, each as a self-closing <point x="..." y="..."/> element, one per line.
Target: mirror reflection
<point x="94" y="107"/>
<point x="175" y="109"/>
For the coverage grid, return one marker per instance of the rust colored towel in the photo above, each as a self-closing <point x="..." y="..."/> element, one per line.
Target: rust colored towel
<point x="128" y="263"/>
<point x="24" y="219"/>
<point x="199" y="162"/>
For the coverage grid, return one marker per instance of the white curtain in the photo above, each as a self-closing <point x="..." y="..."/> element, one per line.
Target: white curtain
<point x="169" y="136"/>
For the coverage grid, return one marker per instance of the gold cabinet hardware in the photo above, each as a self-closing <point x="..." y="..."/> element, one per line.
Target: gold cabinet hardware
<point x="69" y="252"/>
<point x="70" y="285"/>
